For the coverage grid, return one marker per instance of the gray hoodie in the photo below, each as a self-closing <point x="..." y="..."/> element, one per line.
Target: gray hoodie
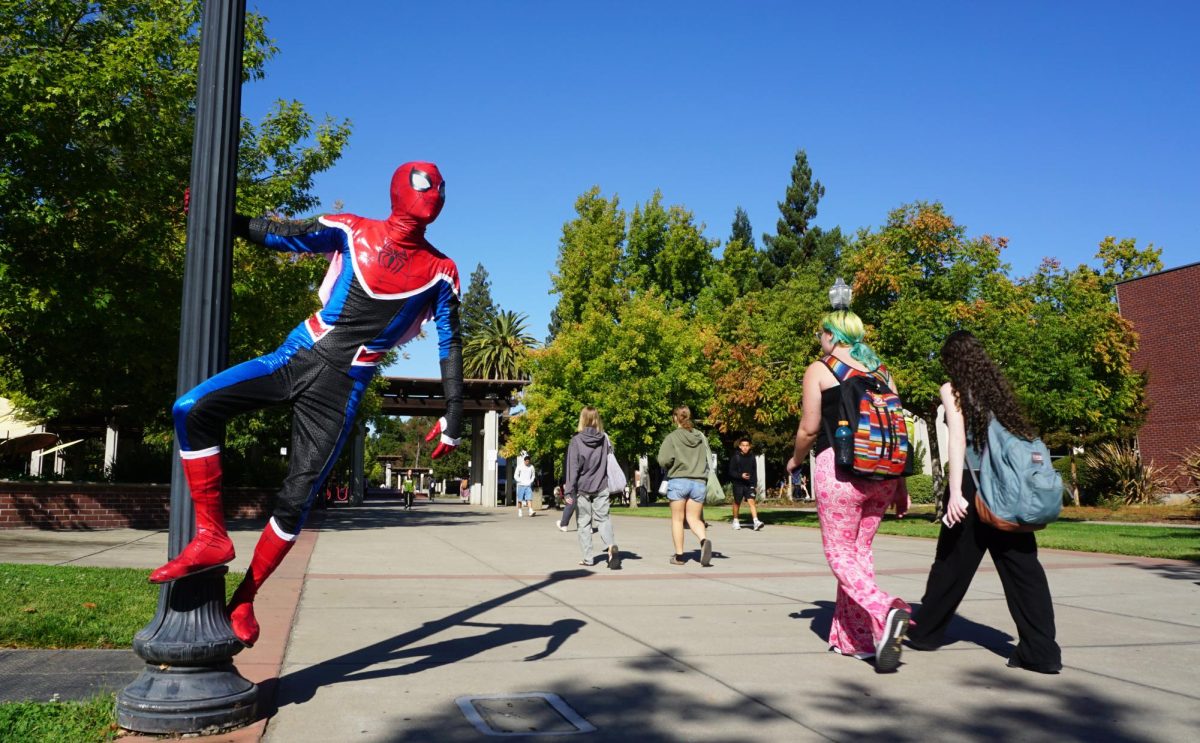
<point x="587" y="463"/>
<point x="684" y="453"/>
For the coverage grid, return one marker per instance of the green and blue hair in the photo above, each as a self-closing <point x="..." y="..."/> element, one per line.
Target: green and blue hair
<point x="848" y="330"/>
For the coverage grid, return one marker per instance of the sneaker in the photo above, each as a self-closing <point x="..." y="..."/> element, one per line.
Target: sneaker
<point x="520" y="513"/>
<point x="614" y="558"/>
<point x="678" y="560"/>
<point x="856" y="656"/>
<point x="758" y="525"/>
<point x="706" y="553"/>
<point x="887" y="652"/>
<point x="737" y="525"/>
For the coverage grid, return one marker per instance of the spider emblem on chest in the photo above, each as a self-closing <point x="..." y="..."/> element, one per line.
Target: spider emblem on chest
<point x="393" y="258"/>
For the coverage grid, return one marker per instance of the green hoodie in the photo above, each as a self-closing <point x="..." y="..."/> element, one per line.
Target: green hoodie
<point x="684" y="453"/>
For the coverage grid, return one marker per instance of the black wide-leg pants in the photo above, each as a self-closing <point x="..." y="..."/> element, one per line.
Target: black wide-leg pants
<point x="959" y="552"/>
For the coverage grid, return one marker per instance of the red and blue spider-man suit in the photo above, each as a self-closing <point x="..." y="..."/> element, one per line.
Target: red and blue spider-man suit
<point x="384" y="281"/>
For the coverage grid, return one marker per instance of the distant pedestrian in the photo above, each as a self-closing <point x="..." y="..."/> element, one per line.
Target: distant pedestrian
<point x="587" y="482"/>
<point x="684" y="454"/>
<point x="409" y="488"/>
<point x="867" y="621"/>
<point x="743" y="472"/>
<point x="976" y="393"/>
<point x="525" y="475"/>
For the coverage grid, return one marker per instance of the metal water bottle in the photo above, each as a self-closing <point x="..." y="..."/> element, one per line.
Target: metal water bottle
<point x="843" y="445"/>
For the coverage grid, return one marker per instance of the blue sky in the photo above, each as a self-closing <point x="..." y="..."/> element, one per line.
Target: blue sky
<point x="1052" y="124"/>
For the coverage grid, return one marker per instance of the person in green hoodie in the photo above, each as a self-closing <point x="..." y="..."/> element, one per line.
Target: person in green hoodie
<point x="685" y="456"/>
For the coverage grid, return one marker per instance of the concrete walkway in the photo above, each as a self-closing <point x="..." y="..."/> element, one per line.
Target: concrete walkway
<point x="403" y="613"/>
<point x="439" y="622"/>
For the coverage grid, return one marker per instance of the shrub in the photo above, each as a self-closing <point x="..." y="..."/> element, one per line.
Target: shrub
<point x="1115" y="475"/>
<point x="920" y="489"/>
<point x="1190" y="469"/>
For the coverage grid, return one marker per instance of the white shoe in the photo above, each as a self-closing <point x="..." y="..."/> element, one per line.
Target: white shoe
<point x="758" y="525"/>
<point x="520" y="513"/>
<point x="737" y="525"/>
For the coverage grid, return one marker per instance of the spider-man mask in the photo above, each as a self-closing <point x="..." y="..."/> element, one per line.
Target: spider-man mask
<point x="418" y="192"/>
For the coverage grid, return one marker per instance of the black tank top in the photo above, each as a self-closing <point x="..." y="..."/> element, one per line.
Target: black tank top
<point x="831" y="403"/>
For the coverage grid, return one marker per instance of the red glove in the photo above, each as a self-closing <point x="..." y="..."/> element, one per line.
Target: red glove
<point x="445" y="444"/>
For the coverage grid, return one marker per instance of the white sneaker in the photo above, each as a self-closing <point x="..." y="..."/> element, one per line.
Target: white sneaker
<point x="737" y="525"/>
<point x="520" y="513"/>
<point x="758" y="525"/>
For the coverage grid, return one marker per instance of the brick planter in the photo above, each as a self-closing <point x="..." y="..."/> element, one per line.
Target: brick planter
<point x="83" y="505"/>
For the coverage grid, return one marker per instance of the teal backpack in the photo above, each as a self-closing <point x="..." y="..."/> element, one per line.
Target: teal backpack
<point x="1018" y="489"/>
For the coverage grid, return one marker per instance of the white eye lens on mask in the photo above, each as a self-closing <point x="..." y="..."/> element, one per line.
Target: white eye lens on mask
<point x="419" y="181"/>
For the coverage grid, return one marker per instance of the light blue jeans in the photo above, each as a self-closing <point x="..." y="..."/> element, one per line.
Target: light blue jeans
<point x="524" y="493"/>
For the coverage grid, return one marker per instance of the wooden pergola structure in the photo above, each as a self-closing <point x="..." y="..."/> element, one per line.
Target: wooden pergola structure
<point x="484" y="401"/>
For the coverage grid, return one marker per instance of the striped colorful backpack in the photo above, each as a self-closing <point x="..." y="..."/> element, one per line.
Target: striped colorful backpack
<point x="876" y="415"/>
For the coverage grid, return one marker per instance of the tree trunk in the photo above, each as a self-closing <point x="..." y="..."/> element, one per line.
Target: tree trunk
<point x="1074" y="477"/>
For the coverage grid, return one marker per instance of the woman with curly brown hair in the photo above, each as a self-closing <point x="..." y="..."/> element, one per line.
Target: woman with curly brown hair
<point x="976" y="392"/>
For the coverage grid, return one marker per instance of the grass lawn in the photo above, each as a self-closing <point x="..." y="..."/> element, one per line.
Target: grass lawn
<point x="1068" y="533"/>
<point x="60" y="722"/>
<point x="57" y="606"/>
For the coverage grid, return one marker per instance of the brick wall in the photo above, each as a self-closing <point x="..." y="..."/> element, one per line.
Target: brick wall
<point x="70" y="505"/>
<point x="1162" y="308"/>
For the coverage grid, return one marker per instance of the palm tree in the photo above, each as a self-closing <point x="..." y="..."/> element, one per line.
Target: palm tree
<point x="499" y="349"/>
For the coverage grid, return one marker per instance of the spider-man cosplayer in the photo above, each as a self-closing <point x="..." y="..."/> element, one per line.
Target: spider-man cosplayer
<point x="384" y="281"/>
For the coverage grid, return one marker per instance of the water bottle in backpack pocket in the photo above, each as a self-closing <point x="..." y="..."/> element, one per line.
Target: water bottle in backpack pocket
<point x="875" y="418"/>
<point x="843" y="445"/>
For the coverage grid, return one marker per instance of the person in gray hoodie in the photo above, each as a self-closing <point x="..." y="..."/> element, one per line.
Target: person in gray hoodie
<point x="684" y="455"/>
<point x="587" y="481"/>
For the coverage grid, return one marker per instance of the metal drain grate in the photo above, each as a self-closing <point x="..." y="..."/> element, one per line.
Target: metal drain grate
<point x="534" y="713"/>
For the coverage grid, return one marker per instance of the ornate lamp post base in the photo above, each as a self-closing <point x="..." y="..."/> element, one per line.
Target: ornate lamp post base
<point x="183" y="699"/>
<point x="189" y="684"/>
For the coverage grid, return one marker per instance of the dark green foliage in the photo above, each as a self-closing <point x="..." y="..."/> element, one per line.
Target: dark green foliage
<point x="797" y="244"/>
<point x="920" y="489"/>
<point x="478" y="307"/>
<point x="96" y="101"/>
<point x="741" y="230"/>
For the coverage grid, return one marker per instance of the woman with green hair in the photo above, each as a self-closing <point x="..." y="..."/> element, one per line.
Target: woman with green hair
<point x="867" y="621"/>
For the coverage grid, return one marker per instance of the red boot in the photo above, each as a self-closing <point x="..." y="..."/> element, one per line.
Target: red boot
<point x="211" y="546"/>
<point x="272" y="547"/>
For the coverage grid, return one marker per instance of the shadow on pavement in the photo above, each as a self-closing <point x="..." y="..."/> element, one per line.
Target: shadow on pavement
<point x="656" y="713"/>
<point x="1064" y="710"/>
<point x="300" y="686"/>
<point x="1170" y="572"/>
<point x="647" y="713"/>
<point x="961" y="629"/>
<point x="381" y="514"/>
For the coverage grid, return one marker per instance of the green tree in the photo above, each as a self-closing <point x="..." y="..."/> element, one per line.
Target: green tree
<point x="740" y="230"/>
<point x="478" y="308"/>
<point x="634" y="366"/>
<point x="796" y="242"/>
<point x="589" y="259"/>
<point x="500" y="350"/>
<point x="96" y="101"/>
<point x="667" y="252"/>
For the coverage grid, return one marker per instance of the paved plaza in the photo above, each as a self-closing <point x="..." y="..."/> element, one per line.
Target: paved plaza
<point x="437" y="623"/>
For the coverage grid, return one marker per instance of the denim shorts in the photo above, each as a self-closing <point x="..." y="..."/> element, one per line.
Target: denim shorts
<point x="682" y="488"/>
<point x="524" y="492"/>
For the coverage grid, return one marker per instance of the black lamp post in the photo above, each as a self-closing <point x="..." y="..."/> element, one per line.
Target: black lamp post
<point x="189" y="684"/>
